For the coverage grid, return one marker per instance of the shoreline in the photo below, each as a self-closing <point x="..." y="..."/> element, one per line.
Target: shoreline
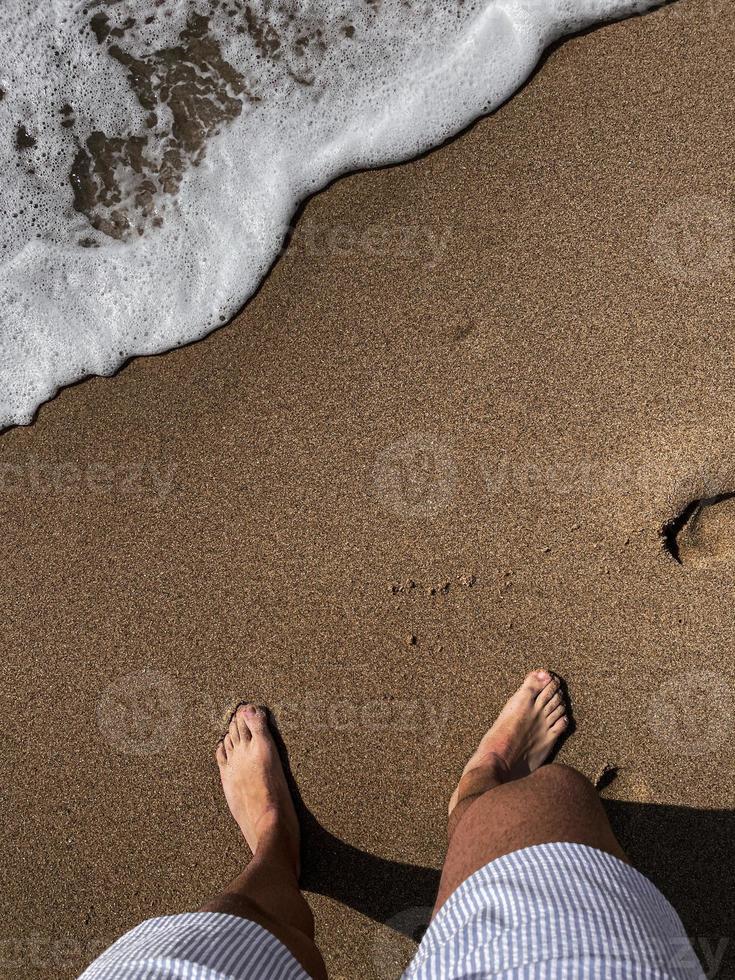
<point x="422" y="411"/>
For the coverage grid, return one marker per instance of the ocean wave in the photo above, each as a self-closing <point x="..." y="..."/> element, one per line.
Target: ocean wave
<point x="154" y="152"/>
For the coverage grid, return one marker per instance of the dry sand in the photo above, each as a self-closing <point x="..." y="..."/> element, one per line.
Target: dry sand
<point x="511" y="360"/>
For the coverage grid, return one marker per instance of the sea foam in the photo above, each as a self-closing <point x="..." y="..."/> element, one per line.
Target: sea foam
<point x="155" y="151"/>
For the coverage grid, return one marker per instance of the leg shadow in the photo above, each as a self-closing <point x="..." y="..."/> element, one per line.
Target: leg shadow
<point x="385" y="891"/>
<point x="690" y="855"/>
<point x="390" y="892"/>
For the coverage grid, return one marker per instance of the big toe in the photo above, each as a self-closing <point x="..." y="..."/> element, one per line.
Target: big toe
<point x="559" y="726"/>
<point x="254" y="717"/>
<point x="550" y="693"/>
<point x="536" y="681"/>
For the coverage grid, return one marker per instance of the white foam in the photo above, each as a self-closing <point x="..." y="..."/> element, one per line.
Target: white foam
<point x="258" y="104"/>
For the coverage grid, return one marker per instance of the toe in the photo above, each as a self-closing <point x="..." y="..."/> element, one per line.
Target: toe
<point x="548" y="692"/>
<point x="229" y="746"/>
<point x="256" y="719"/>
<point x="233" y="731"/>
<point x="220" y="754"/>
<point x="241" y="718"/>
<point x="556" y="714"/>
<point x="536" y="681"/>
<point x="553" y="703"/>
<point x="558" y="727"/>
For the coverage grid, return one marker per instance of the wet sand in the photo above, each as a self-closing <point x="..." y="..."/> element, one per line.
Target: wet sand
<point x="436" y="450"/>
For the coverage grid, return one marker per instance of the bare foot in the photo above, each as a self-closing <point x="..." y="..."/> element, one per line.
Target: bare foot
<point x="521" y="738"/>
<point x="254" y="782"/>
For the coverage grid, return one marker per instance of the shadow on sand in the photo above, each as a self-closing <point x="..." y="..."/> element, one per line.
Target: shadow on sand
<point x="689" y="854"/>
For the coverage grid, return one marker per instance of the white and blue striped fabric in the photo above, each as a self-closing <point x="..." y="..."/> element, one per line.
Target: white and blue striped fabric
<point x="550" y="912"/>
<point x="196" y="946"/>
<point x="556" y="912"/>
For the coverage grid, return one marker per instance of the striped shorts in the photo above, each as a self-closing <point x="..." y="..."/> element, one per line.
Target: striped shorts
<point x="550" y="912"/>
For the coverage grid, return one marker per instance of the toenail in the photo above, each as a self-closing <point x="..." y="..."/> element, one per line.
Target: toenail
<point x="250" y="709"/>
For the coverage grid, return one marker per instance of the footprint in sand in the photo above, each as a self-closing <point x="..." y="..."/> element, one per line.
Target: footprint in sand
<point x="704" y="533"/>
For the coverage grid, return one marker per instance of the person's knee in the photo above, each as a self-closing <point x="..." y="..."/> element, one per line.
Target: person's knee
<point x="564" y="779"/>
<point x="567" y="792"/>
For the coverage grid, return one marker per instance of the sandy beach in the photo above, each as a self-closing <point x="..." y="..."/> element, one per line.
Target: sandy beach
<point x="436" y="450"/>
